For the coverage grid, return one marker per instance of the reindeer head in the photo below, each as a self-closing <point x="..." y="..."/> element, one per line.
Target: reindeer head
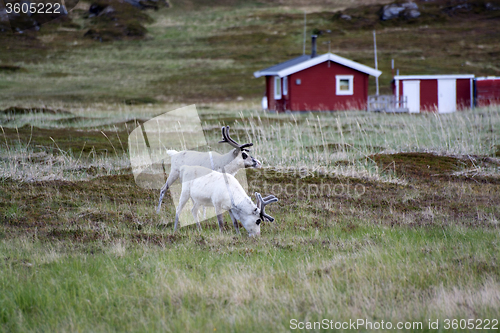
<point x="240" y="150"/>
<point x="251" y="216"/>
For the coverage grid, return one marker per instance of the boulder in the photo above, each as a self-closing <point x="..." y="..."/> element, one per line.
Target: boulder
<point x="411" y="14"/>
<point x="464" y="6"/>
<point x="96" y="8"/>
<point x="115" y="20"/>
<point x="490" y="6"/>
<point x="108" y="11"/>
<point x="4" y="20"/>
<point x="391" y="11"/>
<point x="144" y="4"/>
<point x="410" y="5"/>
<point x="408" y="10"/>
<point x="19" y="22"/>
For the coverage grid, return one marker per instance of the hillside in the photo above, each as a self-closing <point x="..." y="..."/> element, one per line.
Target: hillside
<point x="199" y="51"/>
<point x="391" y="219"/>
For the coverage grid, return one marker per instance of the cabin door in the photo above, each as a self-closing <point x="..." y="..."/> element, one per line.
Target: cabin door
<point x="411" y="90"/>
<point x="447" y="95"/>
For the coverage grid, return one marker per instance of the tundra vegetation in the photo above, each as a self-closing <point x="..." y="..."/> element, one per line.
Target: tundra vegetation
<point x="381" y="217"/>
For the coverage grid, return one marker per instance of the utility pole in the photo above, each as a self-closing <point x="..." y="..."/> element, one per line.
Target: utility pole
<point x="305" y="21"/>
<point x="376" y="61"/>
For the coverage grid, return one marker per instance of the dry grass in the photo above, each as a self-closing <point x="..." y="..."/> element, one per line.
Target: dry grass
<point x="39" y="146"/>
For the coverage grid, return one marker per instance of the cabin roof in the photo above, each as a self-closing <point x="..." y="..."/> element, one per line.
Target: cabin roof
<point x="305" y="61"/>
<point x="434" y="77"/>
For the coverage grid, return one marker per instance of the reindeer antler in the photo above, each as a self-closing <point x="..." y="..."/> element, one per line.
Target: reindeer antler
<point x="262" y="203"/>
<point x="226" y="138"/>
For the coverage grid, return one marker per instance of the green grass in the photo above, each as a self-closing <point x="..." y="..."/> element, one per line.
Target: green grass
<point x="225" y="283"/>
<point x="381" y="217"/>
<point x="81" y="247"/>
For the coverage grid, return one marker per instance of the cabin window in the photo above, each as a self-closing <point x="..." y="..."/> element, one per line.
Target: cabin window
<point x="285" y="86"/>
<point x="345" y="84"/>
<point x="298" y="82"/>
<point x="277" y="87"/>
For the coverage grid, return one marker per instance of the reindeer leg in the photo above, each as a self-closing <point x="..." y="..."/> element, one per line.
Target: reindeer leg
<point x="194" y="210"/>
<point x="235" y="222"/>
<point x="172" y="177"/>
<point x="220" y="219"/>
<point x="182" y="202"/>
<point x="176" y="222"/>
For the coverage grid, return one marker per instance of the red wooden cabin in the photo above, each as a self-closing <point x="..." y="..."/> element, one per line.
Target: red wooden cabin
<point x="435" y="93"/>
<point x="325" y="82"/>
<point x="487" y="91"/>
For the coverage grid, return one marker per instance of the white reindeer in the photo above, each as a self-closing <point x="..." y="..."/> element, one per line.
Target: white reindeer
<point x="222" y="191"/>
<point x="230" y="162"/>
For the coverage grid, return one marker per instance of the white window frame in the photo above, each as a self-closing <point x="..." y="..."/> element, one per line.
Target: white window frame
<point x="285" y="86"/>
<point x="277" y="87"/>
<point x="351" y="84"/>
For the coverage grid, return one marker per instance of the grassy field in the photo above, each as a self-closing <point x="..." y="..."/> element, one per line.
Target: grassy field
<point x="390" y="218"/>
<point x="369" y="225"/>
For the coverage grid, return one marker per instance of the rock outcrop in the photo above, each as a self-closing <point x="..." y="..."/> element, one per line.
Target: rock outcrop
<point x="408" y="10"/>
<point x="115" y="20"/>
<point x="22" y="19"/>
